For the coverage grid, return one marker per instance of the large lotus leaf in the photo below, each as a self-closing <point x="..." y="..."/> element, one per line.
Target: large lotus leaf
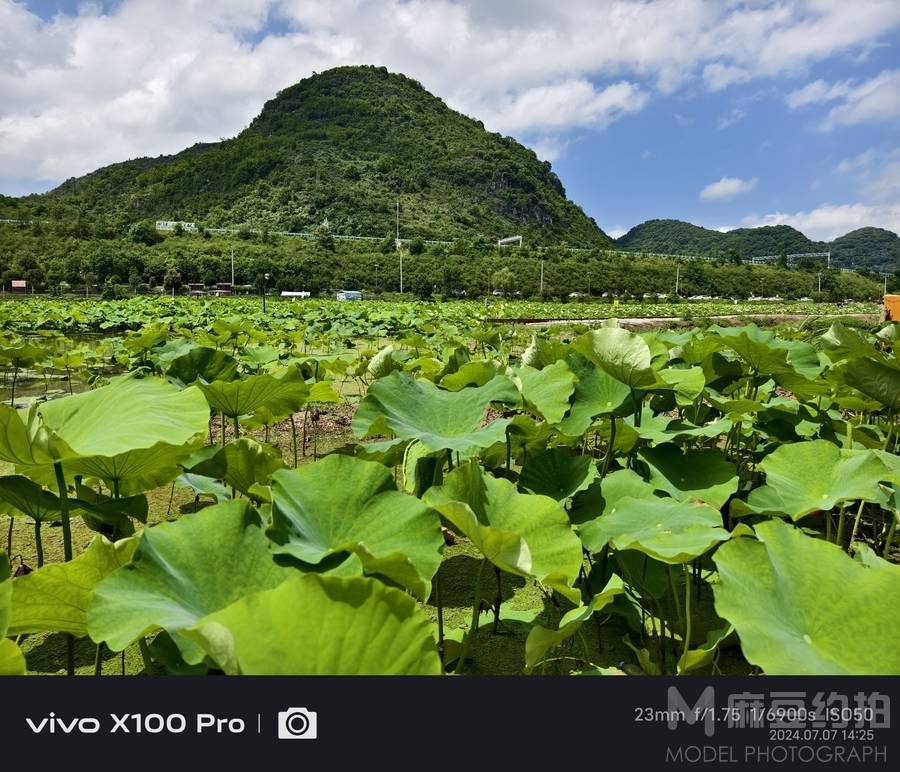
<point x="686" y="383"/>
<point x="17" y="444"/>
<point x="241" y="464"/>
<point x="203" y="363"/>
<point x="134" y="471"/>
<point x="129" y="414"/>
<point x="525" y="534"/>
<point x="5" y="592"/>
<point x="602" y="494"/>
<point x="874" y="379"/>
<point x="29" y="498"/>
<point x="758" y="348"/>
<point x="558" y="473"/>
<point x="802" y="606"/>
<point x="245" y="396"/>
<point x="110" y="510"/>
<point x="370" y="629"/>
<point x="541" y="639"/>
<point x="844" y="343"/>
<point x="181" y="572"/>
<point x="547" y="390"/>
<point x="56" y="596"/>
<point x="382" y="363"/>
<point x="805" y="477"/>
<point x="11" y="660"/>
<point x="391" y="533"/>
<point x="596" y="393"/>
<point x="623" y="354"/>
<point x="439" y="419"/>
<point x="543" y="351"/>
<point x="668" y="530"/>
<point x="694" y="475"/>
<point x="475" y="373"/>
<point x="662" y="428"/>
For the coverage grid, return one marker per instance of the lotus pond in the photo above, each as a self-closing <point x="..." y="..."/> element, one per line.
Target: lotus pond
<point x="400" y="490"/>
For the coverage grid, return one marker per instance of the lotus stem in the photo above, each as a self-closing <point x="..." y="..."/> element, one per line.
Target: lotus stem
<point x="687" y="617"/>
<point x="440" y="612"/>
<point x="476" y="607"/>
<point x="38" y="543"/>
<point x="611" y="448"/>
<point x="222" y="426"/>
<point x="859" y="512"/>
<point x="675" y="596"/>
<point x="9" y="536"/>
<point x="12" y="394"/>
<point x="145" y="654"/>
<point x="98" y="660"/>
<point x="890" y="434"/>
<point x="840" y="529"/>
<point x="638" y="404"/>
<point x="888" y="539"/>
<point x="237" y="428"/>
<point x="508" y="450"/>
<point x="294" y="439"/>
<point x="67" y="550"/>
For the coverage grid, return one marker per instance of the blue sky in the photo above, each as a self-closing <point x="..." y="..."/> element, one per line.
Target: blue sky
<point x="726" y="114"/>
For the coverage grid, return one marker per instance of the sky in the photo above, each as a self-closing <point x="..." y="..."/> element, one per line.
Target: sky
<point x="722" y="113"/>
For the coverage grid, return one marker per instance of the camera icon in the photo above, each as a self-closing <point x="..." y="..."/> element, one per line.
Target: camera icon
<point x="297" y="724"/>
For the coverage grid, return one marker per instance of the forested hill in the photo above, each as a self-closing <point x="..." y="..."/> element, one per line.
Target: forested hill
<point x="343" y="145"/>
<point x="872" y="248"/>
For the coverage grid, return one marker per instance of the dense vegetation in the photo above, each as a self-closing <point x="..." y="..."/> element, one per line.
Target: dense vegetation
<point x="50" y="259"/>
<point x="341" y="145"/>
<point x="595" y="502"/>
<point x="866" y="248"/>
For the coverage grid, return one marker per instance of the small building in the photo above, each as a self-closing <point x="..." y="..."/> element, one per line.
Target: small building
<point x="224" y="288"/>
<point x="18" y="285"/>
<point x="196" y="290"/>
<point x="348" y="295"/>
<point x="295" y="295"/>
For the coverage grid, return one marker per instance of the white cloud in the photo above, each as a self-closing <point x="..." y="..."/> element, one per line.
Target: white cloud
<point x="617" y="231"/>
<point x="873" y="100"/>
<point x="85" y="90"/>
<point x="719" y="76"/>
<point x="565" y="105"/>
<point x="829" y="221"/>
<point x="817" y="91"/>
<point x="548" y="148"/>
<point x="682" y="120"/>
<point x="727" y="187"/>
<point x="730" y="118"/>
<point x="861" y="161"/>
<point x="884" y="185"/>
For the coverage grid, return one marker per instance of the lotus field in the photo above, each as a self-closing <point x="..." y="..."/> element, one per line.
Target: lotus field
<point x="406" y="490"/>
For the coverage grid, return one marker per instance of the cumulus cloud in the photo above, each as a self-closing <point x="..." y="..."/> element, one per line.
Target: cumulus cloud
<point x="99" y="86"/>
<point x="873" y="100"/>
<point x="727" y="187"/>
<point x="829" y="221"/>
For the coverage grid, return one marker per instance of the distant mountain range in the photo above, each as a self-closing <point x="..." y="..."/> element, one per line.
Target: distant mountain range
<point x="346" y="144"/>
<point x="871" y="248"/>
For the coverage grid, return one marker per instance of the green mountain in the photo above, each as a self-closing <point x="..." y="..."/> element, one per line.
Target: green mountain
<point x="345" y="145"/>
<point x="872" y="248"/>
<point x="677" y="237"/>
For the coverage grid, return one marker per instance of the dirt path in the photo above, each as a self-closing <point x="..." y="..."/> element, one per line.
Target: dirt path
<point x="649" y="322"/>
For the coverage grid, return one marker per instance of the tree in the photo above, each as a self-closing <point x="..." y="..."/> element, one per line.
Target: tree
<point x="324" y="238"/>
<point x="172" y="279"/>
<point x="503" y="280"/>
<point x="144" y="232"/>
<point x="416" y="246"/>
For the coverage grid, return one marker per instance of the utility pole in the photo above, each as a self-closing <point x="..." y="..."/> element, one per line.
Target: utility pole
<point x="377" y="280"/>
<point x="265" y="282"/>
<point x="232" y="268"/>
<point x="820" y="282"/>
<point x="677" y="278"/>
<point x="542" y="277"/>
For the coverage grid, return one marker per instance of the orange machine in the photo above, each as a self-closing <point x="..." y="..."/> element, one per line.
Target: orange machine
<point x="892" y="307"/>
